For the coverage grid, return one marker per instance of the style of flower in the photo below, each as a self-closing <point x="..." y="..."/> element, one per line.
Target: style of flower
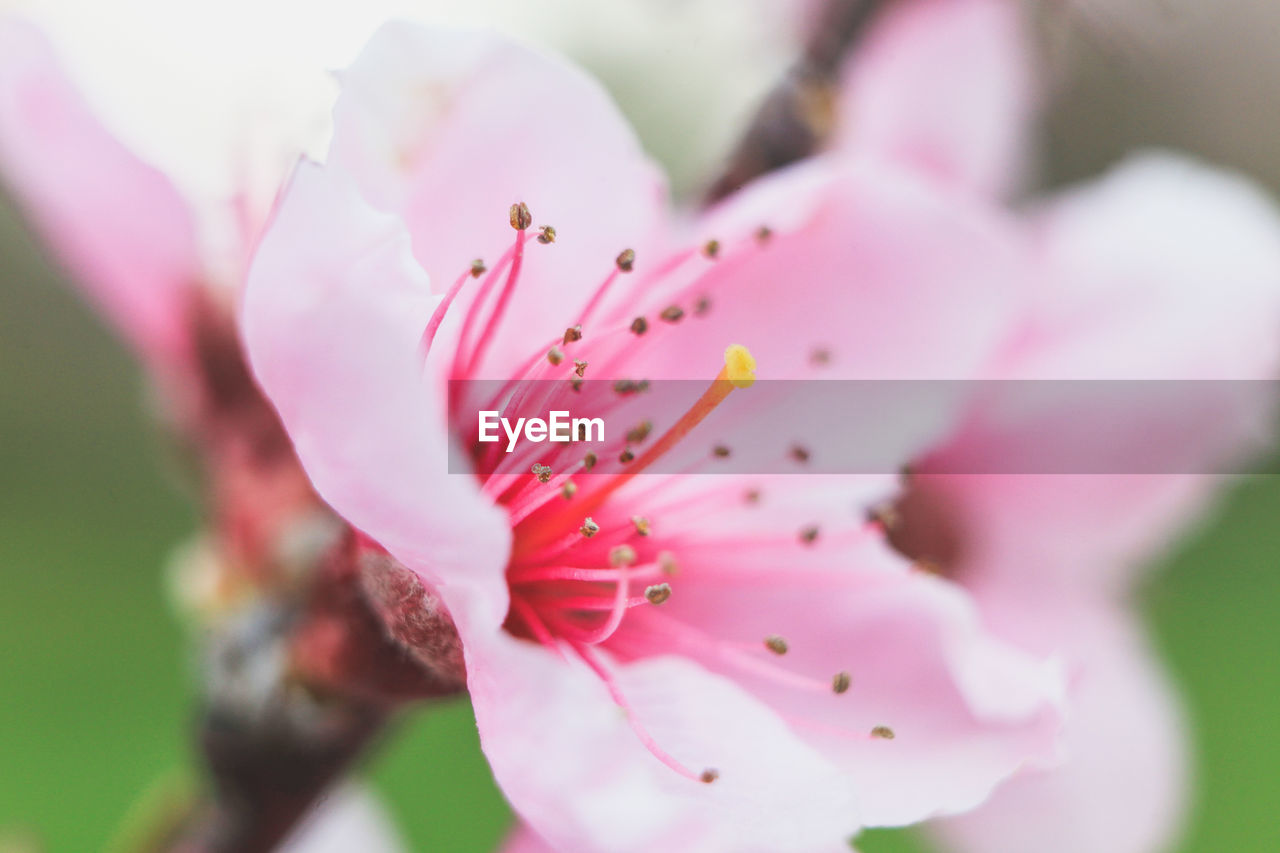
<point x="655" y="659"/>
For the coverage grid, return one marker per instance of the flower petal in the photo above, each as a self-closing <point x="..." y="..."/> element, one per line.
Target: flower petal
<point x="1162" y="271"/>
<point x="575" y="770"/>
<point x="1123" y="786"/>
<point x="946" y="86"/>
<point x="119" y="227"/>
<point x="968" y="711"/>
<point x="449" y="128"/>
<point x="897" y="278"/>
<point x="333" y="311"/>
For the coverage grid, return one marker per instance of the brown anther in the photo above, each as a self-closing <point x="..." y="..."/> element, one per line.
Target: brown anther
<point x="639" y="432"/>
<point x="547" y="235"/>
<point x="639" y="325"/>
<point x="800" y="453"/>
<point x="882" y="732"/>
<point x="579" y="367"/>
<point x="478" y="268"/>
<point x="622" y="555"/>
<point x="809" y="535"/>
<point x="630" y="386"/>
<point x="775" y="644"/>
<point x="720" y="451"/>
<point x="575" y="384"/>
<point x="820" y="356"/>
<point x="840" y="682"/>
<point x="657" y="593"/>
<point x="711" y="248"/>
<point x="752" y="496"/>
<point x="520" y="217"/>
<point x="626" y="456"/>
<point x="569" y="489"/>
<point x="642" y="524"/>
<point x="667" y="562"/>
<point x="589" y="461"/>
<point x="702" y="306"/>
<point x="763" y="234"/>
<point x="555" y="356"/>
<point x="589" y="528"/>
<point x="708" y="776"/>
<point x="885" y="514"/>
<point x="581" y="433"/>
<point x="542" y="472"/>
<point x="626" y="260"/>
<point x="672" y="313"/>
<point x="571" y="334"/>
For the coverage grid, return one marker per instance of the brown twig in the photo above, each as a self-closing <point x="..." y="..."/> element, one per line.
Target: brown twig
<point x="797" y="116"/>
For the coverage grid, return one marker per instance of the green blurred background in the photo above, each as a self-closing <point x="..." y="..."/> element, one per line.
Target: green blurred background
<point x="94" y="668"/>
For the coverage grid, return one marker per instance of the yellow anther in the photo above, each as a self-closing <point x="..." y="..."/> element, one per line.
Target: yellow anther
<point x="739" y="366"/>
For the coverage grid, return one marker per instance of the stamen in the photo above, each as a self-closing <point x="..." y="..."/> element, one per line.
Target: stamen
<point x="521" y="218"/>
<point x="721" y="451"/>
<point x="702" y="306"/>
<point x="776" y="644"/>
<point x="555" y="356"/>
<point x="646" y="739"/>
<point x="626" y="260"/>
<point x="709" y="775"/>
<point x="658" y="593"/>
<point x="738" y="372"/>
<point x="579" y="367"/>
<point x="639" y="325"/>
<point x="573" y="333"/>
<point x="589" y="528"/>
<point x="622" y="555"/>
<point x="711" y="249"/>
<point x="820" y="357"/>
<point x="840" y="683"/>
<point x="672" y="314"/>
<point x="752" y="496"/>
<point x="667" y="562"/>
<point x="437" y="316"/>
<point x="626" y="457"/>
<point x="764" y="234"/>
<point x="639" y="432"/>
<point x="569" y="489"/>
<point x="542" y="472"/>
<point x="800" y="453"/>
<point x="642" y="524"/>
<point x="630" y="386"/>
<point x="547" y="235"/>
<point x="809" y="535"/>
<point x="478" y="268"/>
<point x="589" y="461"/>
<point x="883" y="732"/>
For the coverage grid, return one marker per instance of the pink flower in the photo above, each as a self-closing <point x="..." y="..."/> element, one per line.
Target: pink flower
<point x="1161" y="270"/>
<point x="624" y="643"/>
<point x="133" y="244"/>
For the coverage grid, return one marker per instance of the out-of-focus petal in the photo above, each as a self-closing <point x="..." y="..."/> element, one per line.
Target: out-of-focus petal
<point x="1122" y="788"/>
<point x="1163" y="270"/>
<point x="115" y="223"/>
<point x="348" y="819"/>
<point x="449" y="128"/>
<point x="333" y="310"/>
<point x="947" y="86"/>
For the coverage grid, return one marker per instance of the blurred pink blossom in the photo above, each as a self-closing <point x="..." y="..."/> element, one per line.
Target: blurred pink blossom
<point x="658" y="661"/>
<point x="1163" y="269"/>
